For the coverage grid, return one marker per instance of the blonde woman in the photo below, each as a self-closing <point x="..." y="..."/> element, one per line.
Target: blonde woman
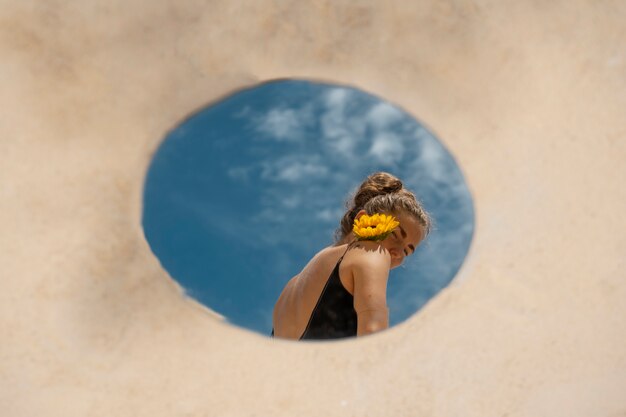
<point x="342" y="291"/>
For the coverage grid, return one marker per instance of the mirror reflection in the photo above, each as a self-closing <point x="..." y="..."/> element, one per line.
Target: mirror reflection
<point x="248" y="197"/>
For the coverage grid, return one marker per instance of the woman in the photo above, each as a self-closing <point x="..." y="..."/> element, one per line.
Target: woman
<point x="341" y="292"/>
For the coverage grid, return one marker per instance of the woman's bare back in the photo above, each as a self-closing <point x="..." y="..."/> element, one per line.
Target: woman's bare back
<point x="299" y="297"/>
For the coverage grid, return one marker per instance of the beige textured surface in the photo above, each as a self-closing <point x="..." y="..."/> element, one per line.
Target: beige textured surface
<point x="528" y="95"/>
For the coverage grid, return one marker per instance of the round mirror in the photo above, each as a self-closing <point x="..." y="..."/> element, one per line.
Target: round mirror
<point x="243" y="193"/>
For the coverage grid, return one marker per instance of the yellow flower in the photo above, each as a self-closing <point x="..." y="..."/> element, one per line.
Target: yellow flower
<point x="376" y="227"/>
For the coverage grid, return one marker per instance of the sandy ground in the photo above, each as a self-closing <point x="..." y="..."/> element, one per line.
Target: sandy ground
<point x="528" y="95"/>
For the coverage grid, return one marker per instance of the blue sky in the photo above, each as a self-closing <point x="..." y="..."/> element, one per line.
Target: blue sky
<point x="243" y="193"/>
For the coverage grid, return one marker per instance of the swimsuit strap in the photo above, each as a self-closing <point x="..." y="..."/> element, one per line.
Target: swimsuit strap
<point x="348" y="248"/>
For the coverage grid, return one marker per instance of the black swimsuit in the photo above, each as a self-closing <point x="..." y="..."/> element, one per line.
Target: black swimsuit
<point x="334" y="316"/>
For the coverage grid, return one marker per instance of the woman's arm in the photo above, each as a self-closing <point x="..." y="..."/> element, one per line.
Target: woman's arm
<point x="370" y="269"/>
<point x="372" y="321"/>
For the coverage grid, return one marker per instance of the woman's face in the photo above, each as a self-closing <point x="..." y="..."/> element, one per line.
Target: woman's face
<point x="403" y="241"/>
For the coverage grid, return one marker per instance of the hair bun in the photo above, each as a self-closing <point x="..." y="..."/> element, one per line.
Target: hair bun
<point x="381" y="192"/>
<point x="386" y="182"/>
<point x="378" y="183"/>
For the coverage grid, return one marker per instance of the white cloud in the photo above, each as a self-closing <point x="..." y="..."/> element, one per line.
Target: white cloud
<point x="432" y="159"/>
<point x="387" y="148"/>
<point x="383" y="114"/>
<point x="243" y="113"/>
<point x="294" y="168"/>
<point x="340" y="132"/>
<point x="343" y="131"/>
<point x="239" y="173"/>
<point x="285" y="124"/>
<point x="338" y="140"/>
<point x="291" y="202"/>
<point x="329" y="215"/>
<point x="336" y="98"/>
<point x="423" y="135"/>
<point x="296" y="171"/>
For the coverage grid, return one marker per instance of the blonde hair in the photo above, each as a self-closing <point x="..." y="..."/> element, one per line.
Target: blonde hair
<point x="382" y="192"/>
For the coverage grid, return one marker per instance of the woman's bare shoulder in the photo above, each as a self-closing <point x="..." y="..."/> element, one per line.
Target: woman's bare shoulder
<point x="368" y="253"/>
<point x="317" y="261"/>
